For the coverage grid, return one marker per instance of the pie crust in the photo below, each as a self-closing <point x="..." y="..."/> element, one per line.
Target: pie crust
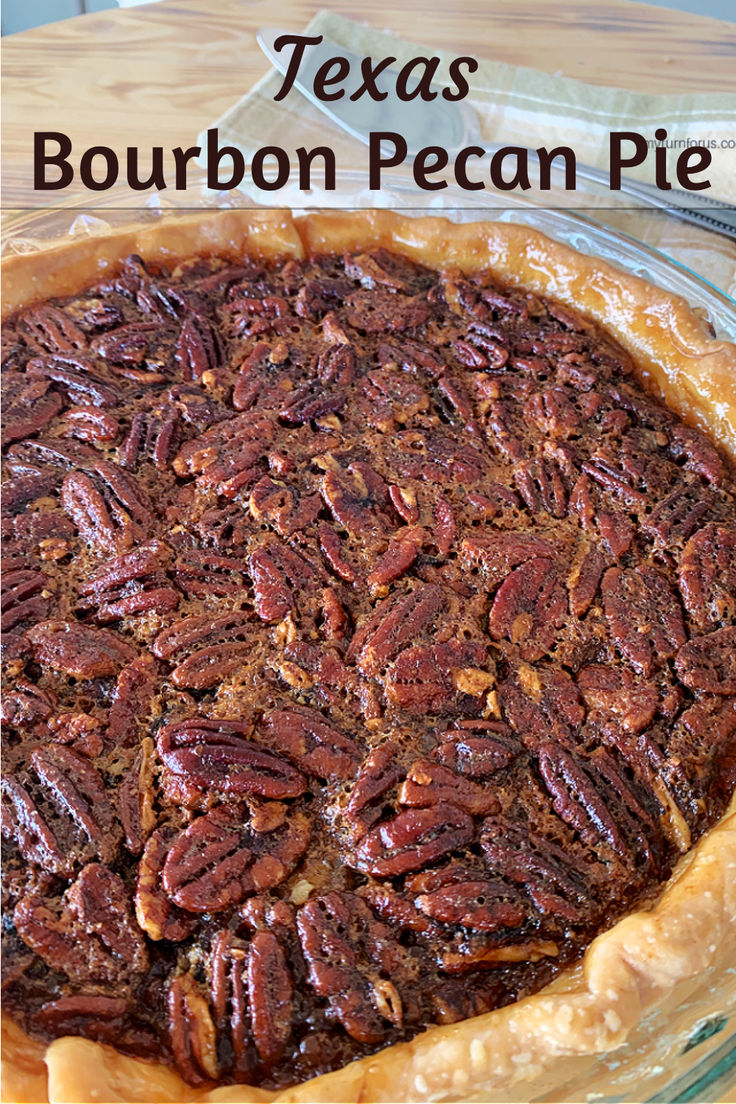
<point x="646" y="959"/>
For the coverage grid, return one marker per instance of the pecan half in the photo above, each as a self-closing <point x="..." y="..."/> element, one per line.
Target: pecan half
<point x="542" y="488"/>
<point x="88" y="423"/>
<point x="132" y="701"/>
<point x="556" y="880"/>
<point x="644" y="616"/>
<point x="343" y="946"/>
<point x="477" y="749"/>
<point x="355" y="504"/>
<point x="529" y="608"/>
<point x="24" y="597"/>
<point x="396" y="560"/>
<point x="203" y="756"/>
<point x="220" y="859"/>
<point x="49" y="329"/>
<point x="378" y="774"/>
<point x="280" y="505"/>
<point x="128" y="345"/>
<point x="153" y="436"/>
<point x="229" y="456"/>
<point x="707" y="576"/>
<point x="132" y="584"/>
<point x="584" y="580"/>
<point x="108" y="1020"/>
<point x="27" y="704"/>
<point x="440" y="678"/>
<point x="108" y="508"/>
<point x="541" y="703"/>
<point x="309" y="402"/>
<point x="677" y="516"/>
<point x="60" y="816"/>
<point x="428" y="783"/>
<point x="229" y="1000"/>
<point x="692" y="446"/>
<point x="496" y="555"/>
<point x="73" y="374"/>
<point x="618" y="691"/>
<point x="79" y="650"/>
<point x="412" y="840"/>
<point x="596" y="799"/>
<point x="310" y="742"/>
<point x="28" y="405"/>
<point x="708" y="663"/>
<point x="135" y="798"/>
<point x="191" y="1031"/>
<point x="205" y="648"/>
<point x="396" y="623"/>
<point x="201" y="573"/>
<point x="157" y="915"/>
<point x="270" y="996"/>
<point x="93" y="936"/>
<point x="464" y="895"/>
<point x="198" y="347"/>
<point x="252" y="998"/>
<point x="278" y="574"/>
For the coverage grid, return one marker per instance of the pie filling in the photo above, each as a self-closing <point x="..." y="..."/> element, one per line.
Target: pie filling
<point x="369" y="647"/>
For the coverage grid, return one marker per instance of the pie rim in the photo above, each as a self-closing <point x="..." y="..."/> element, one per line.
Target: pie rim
<point x="627" y="970"/>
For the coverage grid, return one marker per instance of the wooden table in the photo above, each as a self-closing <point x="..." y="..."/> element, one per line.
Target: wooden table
<point x="158" y="75"/>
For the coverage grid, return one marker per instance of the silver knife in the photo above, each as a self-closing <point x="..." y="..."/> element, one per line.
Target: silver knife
<point x="454" y="125"/>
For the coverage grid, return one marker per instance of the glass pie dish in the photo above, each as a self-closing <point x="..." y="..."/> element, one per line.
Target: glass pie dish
<point x="644" y="1067"/>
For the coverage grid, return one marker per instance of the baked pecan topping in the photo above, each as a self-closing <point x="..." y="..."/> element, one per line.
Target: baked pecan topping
<point x="368" y="644"/>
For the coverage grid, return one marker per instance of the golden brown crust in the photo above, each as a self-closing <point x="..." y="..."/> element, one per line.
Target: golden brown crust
<point x="644" y="960"/>
<point x="65" y="267"/>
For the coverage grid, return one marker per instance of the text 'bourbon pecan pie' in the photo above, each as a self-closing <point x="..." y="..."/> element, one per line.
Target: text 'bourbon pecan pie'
<point x="369" y="645"/>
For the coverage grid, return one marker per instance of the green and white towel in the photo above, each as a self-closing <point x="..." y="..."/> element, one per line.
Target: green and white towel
<point x="515" y="106"/>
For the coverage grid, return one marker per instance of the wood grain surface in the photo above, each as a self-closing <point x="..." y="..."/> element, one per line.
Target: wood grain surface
<point x="161" y="73"/>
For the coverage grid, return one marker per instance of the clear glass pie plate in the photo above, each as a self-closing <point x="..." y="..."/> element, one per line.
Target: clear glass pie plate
<point x="686" y="1049"/>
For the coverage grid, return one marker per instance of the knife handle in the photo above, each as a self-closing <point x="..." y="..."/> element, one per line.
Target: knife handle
<point x="689" y="206"/>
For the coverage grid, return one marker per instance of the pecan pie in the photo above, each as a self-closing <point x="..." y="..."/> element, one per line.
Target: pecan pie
<point x="369" y="638"/>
